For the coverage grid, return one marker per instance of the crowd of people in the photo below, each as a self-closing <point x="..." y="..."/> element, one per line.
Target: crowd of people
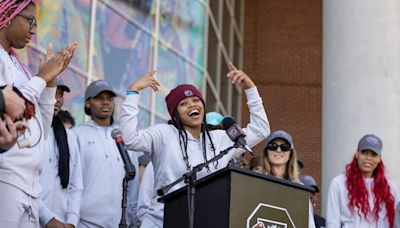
<point x="56" y="174"/>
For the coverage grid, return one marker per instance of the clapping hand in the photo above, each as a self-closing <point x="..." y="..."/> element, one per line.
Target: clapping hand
<point x="145" y="81"/>
<point x="55" y="63"/>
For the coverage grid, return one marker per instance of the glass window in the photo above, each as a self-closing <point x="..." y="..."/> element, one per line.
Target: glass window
<point x="62" y="22"/>
<point x="182" y="26"/>
<point x="124" y="48"/>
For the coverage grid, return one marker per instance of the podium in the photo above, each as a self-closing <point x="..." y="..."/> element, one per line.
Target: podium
<point x="237" y="198"/>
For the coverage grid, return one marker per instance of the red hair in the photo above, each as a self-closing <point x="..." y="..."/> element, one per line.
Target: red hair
<point x="358" y="193"/>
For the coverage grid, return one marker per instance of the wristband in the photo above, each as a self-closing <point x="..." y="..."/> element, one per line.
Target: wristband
<point x="130" y="92"/>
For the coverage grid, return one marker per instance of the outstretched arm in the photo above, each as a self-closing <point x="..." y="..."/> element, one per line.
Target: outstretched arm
<point x="143" y="140"/>
<point x="258" y="128"/>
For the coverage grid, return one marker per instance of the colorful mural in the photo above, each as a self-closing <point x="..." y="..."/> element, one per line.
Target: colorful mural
<point x="123" y="47"/>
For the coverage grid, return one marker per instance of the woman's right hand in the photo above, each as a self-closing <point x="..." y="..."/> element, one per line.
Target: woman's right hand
<point x="54" y="64"/>
<point x="15" y="105"/>
<point x="8" y="133"/>
<point x="145" y="81"/>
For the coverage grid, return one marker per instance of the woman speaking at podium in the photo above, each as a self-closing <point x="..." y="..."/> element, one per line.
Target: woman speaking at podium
<point x="185" y="142"/>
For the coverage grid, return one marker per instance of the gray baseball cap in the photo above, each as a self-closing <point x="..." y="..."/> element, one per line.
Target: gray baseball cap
<point x="310" y="182"/>
<point x="280" y="135"/>
<point x="60" y="84"/>
<point x="371" y="142"/>
<point x="97" y="87"/>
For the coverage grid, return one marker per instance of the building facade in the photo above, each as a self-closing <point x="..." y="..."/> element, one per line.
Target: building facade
<point x="327" y="72"/>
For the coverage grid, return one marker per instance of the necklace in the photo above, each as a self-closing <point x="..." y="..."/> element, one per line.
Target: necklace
<point x="17" y="63"/>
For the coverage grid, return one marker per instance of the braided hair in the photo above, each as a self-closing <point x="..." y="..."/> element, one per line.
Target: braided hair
<point x="11" y="8"/>
<point x="183" y="140"/>
<point x="60" y="135"/>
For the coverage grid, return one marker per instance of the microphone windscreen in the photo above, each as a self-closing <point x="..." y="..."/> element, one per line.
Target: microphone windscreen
<point x="227" y="122"/>
<point x="116" y="133"/>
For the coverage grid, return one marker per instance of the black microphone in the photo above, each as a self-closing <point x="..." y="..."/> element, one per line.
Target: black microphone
<point x="235" y="132"/>
<point x="130" y="170"/>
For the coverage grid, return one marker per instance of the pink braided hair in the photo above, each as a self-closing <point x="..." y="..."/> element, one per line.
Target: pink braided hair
<point x="13" y="6"/>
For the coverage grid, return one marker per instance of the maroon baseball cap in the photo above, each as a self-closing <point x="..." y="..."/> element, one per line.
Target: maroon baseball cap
<point x="179" y="93"/>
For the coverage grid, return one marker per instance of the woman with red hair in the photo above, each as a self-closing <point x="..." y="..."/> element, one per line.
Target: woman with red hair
<point x="363" y="197"/>
<point x="21" y="164"/>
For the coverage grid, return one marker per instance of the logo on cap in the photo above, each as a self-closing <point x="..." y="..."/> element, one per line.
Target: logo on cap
<point x="372" y="140"/>
<point x="100" y="83"/>
<point x="188" y="93"/>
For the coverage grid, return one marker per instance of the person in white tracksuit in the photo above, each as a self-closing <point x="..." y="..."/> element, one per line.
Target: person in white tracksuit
<point x="176" y="148"/>
<point x="61" y="178"/>
<point x="21" y="162"/>
<point x="363" y="196"/>
<point x="102" y="166"/>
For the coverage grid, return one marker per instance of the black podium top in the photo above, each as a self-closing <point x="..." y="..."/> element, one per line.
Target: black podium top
<point x="226" y="171"/>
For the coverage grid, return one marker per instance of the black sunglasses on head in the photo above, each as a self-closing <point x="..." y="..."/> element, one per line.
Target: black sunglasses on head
<point x="274" y="147"/>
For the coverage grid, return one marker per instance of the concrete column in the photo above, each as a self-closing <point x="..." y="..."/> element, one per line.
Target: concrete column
<point x="361" y="82"/>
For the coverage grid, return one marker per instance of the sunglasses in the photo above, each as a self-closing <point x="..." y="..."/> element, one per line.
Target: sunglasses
<point x="274" y="147"/>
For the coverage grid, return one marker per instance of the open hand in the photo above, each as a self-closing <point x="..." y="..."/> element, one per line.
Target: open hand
<point x="55" y="63"/>
<point x="145" y="81"/>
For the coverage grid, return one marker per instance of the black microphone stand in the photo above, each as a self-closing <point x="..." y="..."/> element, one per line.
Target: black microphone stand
<point x="128" y="176"/>
<point x="189" y="178"/>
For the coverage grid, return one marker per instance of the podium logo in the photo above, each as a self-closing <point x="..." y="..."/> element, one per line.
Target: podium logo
<point x="269" y="216"/>
<point x="259" y="225"/>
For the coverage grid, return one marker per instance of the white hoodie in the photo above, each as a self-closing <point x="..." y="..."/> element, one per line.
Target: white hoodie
<point x="146" y="192"/>
<point x="161" y="143"/>
<point x="338" y="213"/>
<point x="103" y="173"/>
<point x="21" y="167"/>
<point x="62" y="203"/>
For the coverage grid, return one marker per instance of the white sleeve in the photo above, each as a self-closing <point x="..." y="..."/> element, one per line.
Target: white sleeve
<point x="146" y="192"/>
<point x="75" y="186"/>
<point x="147" y="140"/>
<point x="33" y="88"/>
<point x="35" y="91"/>
<point x="258" y="128"/>
<point x="45" y="215"/>
<point x="47" y="101"/>
<point x="333" y="206"/>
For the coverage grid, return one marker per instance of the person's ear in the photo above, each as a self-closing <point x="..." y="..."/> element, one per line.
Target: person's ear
<point x="357" y="154"/>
